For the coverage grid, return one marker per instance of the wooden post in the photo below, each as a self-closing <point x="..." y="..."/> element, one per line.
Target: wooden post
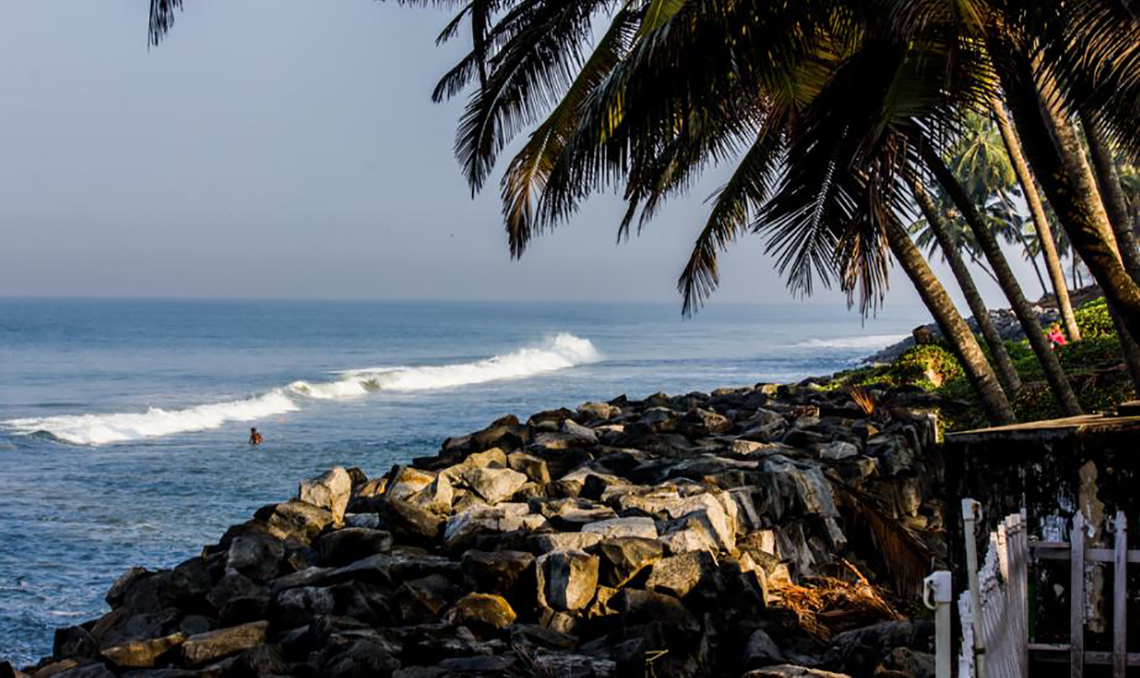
<point x="1077" y="599"/>
<point x="1120" y="598"/>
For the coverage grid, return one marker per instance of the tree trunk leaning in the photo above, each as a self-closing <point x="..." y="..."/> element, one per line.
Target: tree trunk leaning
<point x="1108" y="181"/>
<point x="955" y="330"/>
<point x="1051" y="366"/>
<point x="1040" y="222"/>
<point x="1006" y="373"/>
<point x="1056" y="159"/>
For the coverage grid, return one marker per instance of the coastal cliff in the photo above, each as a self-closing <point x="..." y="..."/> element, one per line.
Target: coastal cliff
<point x="761" y="531"/>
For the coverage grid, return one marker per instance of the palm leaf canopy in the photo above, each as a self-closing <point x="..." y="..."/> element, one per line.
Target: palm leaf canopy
<point x="819" y="107"/>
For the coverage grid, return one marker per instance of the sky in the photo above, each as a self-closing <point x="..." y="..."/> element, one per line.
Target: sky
<point x="289" y="149"/>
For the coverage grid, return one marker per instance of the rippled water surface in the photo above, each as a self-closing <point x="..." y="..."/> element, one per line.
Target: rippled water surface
<point x="123" y="423"/>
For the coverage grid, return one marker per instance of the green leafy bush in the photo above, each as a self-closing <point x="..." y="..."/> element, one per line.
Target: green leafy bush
<point x="929" y="366"/>
<point x="1093" y="319"/>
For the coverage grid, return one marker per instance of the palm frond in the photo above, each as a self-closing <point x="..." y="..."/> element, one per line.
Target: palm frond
<point x="162" y="18"/>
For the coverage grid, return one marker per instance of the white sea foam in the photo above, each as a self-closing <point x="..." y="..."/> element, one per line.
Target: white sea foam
<point x="868" y="341"/>
<point x="99" y="429"/>
<point x="557" y="353"/>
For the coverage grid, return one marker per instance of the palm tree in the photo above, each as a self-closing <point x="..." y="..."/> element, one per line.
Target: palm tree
<point x="1041" y="224"/>
<point x="940" y="229"/>
<point x="1051" y="366"/>
<point x="826" y="103"/>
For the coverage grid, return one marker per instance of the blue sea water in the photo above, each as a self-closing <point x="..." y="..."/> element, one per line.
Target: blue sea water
<point x="123" y="423"/>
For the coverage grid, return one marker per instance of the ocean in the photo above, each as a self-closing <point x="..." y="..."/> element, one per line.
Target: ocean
<point x="123" y="423"/>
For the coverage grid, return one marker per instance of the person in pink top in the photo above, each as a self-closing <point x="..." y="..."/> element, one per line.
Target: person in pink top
<point x="1056" y="337"/>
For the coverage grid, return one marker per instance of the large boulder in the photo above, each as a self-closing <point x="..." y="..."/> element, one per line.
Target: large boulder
<point x="680" y="575"/>
<point x="213" y="645"/>
<point x="567" y="580"/>
<point x="623" y="558"/>
<point x="255" y="555"/>
<point x="436" y="496"/>
<point x="494" y="484"/>
<point x="637" y="526"/>
<point x="406" y="481"/>
<point x="350" y="544"/>
<point x="481" y="610"/>
<point x="495" y="571"/>
<point x="330" y="491"/>
<point x="296" y="520"/>
<point x="409" y="523"/>
<point x="462" y="528"/>
<point x="141" y="654"/>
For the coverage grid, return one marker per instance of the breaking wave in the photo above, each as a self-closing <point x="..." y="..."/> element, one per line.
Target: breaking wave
<point x="559" y="352"/>
<point x="866" y="341"/>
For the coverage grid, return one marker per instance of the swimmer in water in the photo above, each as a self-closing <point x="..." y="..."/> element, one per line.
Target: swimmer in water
<point x="254" y="437"/>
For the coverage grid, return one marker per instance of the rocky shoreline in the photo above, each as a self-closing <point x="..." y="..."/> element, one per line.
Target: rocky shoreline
<point x="761" y="531"/>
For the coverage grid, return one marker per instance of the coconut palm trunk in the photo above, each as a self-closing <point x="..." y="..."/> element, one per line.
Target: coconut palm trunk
<point x="1057" y="159"/>
<point x="954" y="329"/>
<point x="1010" y="380"/>
<point x="1037" y="210"/>
<point x="1051" y="366"/>
<point x="1108" y="181"/>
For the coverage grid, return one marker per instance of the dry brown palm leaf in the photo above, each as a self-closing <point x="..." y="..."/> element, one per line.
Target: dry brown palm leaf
<point x="863" y="399"/>
<point x="825" y="606"/>
<point x="906" y="557"/>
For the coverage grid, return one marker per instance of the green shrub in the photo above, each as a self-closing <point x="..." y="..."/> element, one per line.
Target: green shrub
<point x="1093" y="319"/>
<point x="929" y="366"/>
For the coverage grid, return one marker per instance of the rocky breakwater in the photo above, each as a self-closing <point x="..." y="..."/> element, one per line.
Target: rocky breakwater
<point x="755" y="531"/>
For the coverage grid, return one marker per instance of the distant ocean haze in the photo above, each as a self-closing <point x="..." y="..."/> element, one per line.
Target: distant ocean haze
<point x="123" y="423"/>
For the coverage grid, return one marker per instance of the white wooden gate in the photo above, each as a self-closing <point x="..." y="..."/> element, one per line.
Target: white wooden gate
<point x="995" y="641"/>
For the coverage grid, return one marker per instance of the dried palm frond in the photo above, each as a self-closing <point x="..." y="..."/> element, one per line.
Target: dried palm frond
<point x="906" y="557"/>
<point x="863" y="399"/>
<point x="825" y="606"/>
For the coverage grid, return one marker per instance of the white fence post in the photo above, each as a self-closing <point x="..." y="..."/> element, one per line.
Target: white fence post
<point x="937" y="595"/>
<point x="971" y="511"/>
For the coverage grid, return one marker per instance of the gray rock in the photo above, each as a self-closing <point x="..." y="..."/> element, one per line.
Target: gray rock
<point x="464" y="527"/>
<point x="566" y="579"/>
<point x="406" y="481"/>
<point x="257" y="556"/>
<point x="497" y="571"/>
<point x="623" y="558"/>
<point x="139" y="654"/>
<point x="599" y="410"/>
<point x="679" y="575"/>
<point x="536" y="469"/>
<point x="760" y="651"/>
<point x="409" y="523"/>
<point x="836" y="450"/>
<point x="330" y="491"/>
<point x="435" y="497"/>
<point x="486" y="610"/>
<point x="296" y="520"/>
<point x="296" y="606"/>
<point x="213" y="645"/>
<point x="494" y="485"/>
<point x="563" y="541"/>
<point x="623" y="527"/>
<point x="350" y="544"/>
<point x="572" y="428"/>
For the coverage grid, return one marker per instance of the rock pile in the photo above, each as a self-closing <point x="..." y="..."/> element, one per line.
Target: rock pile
<point x="626" y="538"/>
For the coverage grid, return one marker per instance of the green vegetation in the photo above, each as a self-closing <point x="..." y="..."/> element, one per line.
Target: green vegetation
<point x="1093" y="365"/>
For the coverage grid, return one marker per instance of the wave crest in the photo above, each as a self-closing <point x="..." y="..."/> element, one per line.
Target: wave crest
<point x="559" y="352"/>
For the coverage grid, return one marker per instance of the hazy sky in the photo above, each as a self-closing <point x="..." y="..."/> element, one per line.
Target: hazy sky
<point x="285" y="148"/>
